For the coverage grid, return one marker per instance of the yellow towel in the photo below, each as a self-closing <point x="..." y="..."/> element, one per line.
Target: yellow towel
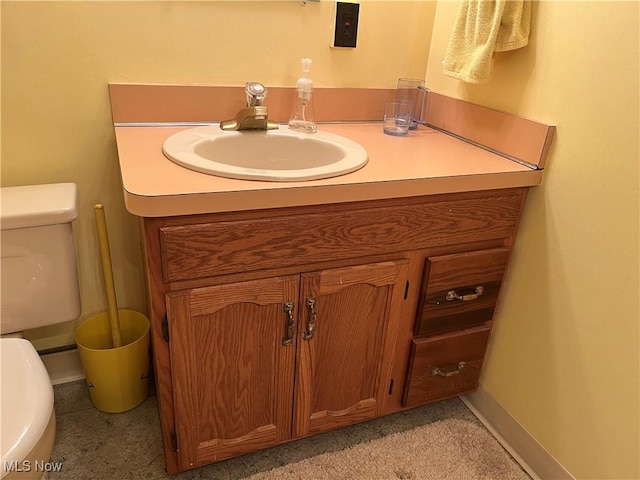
<point x="483" y="27"/>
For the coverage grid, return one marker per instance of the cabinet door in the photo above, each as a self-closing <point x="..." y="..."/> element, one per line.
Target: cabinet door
<point x="348" y="324"/>
<point x="231" y="368"/>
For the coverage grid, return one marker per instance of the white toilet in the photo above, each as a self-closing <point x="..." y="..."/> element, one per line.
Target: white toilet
<point x="39" y="286"/>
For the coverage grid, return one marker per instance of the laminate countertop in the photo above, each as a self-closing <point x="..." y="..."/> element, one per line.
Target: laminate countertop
<point x="425" y="162"/>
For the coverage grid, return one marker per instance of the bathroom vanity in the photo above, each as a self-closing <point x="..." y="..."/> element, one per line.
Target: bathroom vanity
<point x="279" y="311"/>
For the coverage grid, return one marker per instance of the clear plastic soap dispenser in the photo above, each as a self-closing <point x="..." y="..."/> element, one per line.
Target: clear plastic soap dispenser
<point x="303" y="116"/>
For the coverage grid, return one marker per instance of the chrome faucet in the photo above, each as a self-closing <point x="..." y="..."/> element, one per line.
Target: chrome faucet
<point x="255" y="115"/>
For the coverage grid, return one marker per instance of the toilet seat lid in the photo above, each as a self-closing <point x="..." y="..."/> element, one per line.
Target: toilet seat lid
<point x="27" y="399"/>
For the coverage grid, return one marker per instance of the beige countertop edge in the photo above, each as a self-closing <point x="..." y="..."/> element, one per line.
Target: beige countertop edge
<point x="229" y="201"/>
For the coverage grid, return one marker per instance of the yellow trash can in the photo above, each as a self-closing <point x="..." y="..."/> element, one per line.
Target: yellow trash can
<point x="118" y="378"/>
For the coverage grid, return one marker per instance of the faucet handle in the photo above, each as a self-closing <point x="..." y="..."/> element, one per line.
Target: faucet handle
<point x="256" y="93"/>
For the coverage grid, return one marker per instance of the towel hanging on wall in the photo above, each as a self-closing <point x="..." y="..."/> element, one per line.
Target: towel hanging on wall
<point x="481" y="28"/>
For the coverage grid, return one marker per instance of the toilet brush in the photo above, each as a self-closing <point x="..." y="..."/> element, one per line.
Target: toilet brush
<point x="103" y="240"/>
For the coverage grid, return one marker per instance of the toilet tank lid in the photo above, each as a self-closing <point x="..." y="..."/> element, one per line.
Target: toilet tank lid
<point x="38" y="205"/>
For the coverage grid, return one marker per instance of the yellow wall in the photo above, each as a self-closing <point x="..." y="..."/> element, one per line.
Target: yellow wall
<point x="564" y="356"/>
<point x="58" y="57"/>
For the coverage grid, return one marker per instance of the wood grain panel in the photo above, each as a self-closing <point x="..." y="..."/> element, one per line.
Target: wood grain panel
<point x="234" y="377"/>
<point x="445" y="352"/>
<point x="183" y="370"/>
<point x="233" y="246"/>
<point x="259" y="292"/>
<point x="461" y="273"/>
<point x="469" y="268"/>
<point x="342" y="366"/>
<point x="157" y="310"/>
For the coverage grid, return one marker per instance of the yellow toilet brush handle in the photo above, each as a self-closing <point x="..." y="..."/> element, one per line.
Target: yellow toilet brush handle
<point x="103" y="241"/>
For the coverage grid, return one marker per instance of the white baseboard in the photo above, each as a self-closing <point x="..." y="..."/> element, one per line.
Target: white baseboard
<point x="63" y="367"/>
<point x="522" y="446"/>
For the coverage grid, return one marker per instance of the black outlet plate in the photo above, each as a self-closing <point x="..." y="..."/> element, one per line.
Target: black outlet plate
<point x="346" y="32"/>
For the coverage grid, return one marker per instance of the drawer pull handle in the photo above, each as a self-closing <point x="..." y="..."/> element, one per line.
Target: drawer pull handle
<point x="452" y="295"/>
<point x="291" y="324"/>
<point x="313" y="317"/>
<point x="437" y="371"/>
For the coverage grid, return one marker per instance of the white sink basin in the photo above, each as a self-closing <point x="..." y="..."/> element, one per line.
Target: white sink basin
<point x="280" y="155"/>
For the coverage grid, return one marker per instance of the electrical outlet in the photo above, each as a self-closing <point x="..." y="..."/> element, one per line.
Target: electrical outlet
<point x="346" y="25"/>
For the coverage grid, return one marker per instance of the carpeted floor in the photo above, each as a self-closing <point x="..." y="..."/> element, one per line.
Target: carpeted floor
<point x="442" y="441"/>
<point x="450" y="449"/>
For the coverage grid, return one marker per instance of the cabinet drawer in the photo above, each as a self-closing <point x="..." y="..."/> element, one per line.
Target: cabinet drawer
<point x="328" y="233"/>
<point x="445" y="366"/>
<point x="460" y="290"/>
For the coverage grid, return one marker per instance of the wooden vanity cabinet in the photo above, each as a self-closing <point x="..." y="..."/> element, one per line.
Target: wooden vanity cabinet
<point x="278" y="324"/>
